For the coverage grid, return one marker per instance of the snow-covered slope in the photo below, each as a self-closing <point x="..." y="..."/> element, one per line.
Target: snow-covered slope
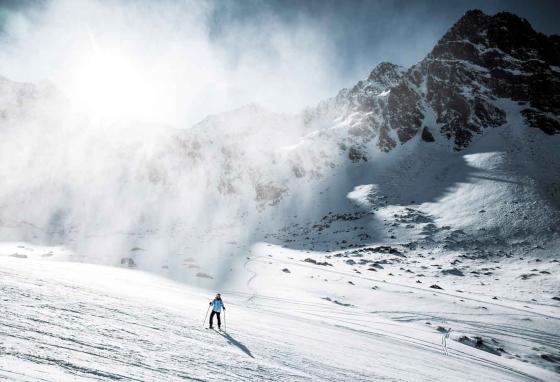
<point x="70" y="321"/>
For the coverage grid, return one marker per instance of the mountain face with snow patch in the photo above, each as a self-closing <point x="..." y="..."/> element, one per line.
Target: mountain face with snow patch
<point x="454" y="91"/>
<point x="465" y="86"/>
<point x="474" y="121"/>
<point x="483" y="105"/>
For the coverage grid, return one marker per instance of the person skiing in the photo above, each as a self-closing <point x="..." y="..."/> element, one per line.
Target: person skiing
<point x="217" y="306"/>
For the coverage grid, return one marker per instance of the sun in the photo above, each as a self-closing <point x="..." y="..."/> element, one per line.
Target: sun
<point x="111" y="85"/>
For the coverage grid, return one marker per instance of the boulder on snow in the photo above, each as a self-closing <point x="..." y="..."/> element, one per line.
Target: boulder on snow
<point x="387" y="250"/>
<point x="204" y="275"/>
<point x="342" y="303"/>
<point x="551" y="358"/>
<point x="286" y="270"/>
<point x="336" y="301"/>
<point x="313" y="261"/>
<point x="435" y="286"/>
<point x="527" y="276"/>
<point x="427" y="135"/>
<point x="479" y="343"/>
<point x="128" y="261"/>
<point x="452" y="271"/>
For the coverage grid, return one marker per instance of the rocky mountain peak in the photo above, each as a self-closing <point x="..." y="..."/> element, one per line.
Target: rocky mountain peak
<point x="383" y="77"/>
<point x="483" y="58"/>
<point x="504" y="33"/>
<point x="475" y="25"/>
<point x="467" y="27"/>
<point x="458" y="90"/>
<point x="386" y="74"/>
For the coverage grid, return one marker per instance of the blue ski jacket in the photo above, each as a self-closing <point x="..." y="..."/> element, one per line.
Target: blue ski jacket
<point x="217" y="305"/>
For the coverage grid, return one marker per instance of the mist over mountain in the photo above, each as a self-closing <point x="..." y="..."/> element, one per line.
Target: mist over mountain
<point x="441" y="175"/>
<point x="479" y="87"/>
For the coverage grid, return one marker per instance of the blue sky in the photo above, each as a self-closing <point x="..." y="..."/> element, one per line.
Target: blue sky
<point x="366" y="32"/>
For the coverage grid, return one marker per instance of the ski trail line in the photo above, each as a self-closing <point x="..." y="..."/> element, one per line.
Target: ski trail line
<point x="296" y="263"/>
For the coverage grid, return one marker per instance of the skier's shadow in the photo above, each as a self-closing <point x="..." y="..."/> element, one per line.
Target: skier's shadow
<point x="234" y="342"/>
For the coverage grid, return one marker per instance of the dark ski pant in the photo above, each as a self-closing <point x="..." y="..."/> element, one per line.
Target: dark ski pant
<point x="212" y="319"/>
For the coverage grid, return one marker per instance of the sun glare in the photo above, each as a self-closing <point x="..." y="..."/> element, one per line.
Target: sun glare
<point x="113" y="86"/>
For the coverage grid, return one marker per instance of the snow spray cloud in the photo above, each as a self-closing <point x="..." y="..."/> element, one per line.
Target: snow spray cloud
<point x="163" y="61"/>
<point x="98" y="154"/>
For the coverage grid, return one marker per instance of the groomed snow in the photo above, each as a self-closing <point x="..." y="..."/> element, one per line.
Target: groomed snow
<point x="62" y="321"/>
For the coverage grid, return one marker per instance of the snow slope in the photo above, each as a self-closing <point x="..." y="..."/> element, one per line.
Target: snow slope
<point x="65" y="321"/>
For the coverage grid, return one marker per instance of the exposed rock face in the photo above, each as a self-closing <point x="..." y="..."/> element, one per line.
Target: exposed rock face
<point x="364" y="108"/>
<point x="479" y="61"/>
<point x="483" y="58"/>
<point x="427" y="135"/>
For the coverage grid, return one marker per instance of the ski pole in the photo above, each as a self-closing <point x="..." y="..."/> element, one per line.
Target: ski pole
<point x="225" y="326"/>
<point x="204" y="322"/>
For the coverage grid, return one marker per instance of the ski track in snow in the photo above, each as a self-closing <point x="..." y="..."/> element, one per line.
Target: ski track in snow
<point x="517" y="331"/>
<point x="440" y="292"/>
<point x="253" y="275"/>
<point x="55" y="328"/>
<point x="77" y="332"/>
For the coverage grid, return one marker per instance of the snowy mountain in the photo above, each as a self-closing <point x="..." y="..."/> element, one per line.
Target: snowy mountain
<point x="410" y="223"/>
<point x="456" y="89"/>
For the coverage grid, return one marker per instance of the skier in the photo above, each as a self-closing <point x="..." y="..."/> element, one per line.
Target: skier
<point x="217" y="306"/>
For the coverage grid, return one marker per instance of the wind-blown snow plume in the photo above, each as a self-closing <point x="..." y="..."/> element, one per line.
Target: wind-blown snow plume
<point x="94" y="157"/>
<point x="103" y="161"/>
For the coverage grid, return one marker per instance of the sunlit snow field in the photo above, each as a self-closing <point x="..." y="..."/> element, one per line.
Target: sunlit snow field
<point x="66" y="321"/>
